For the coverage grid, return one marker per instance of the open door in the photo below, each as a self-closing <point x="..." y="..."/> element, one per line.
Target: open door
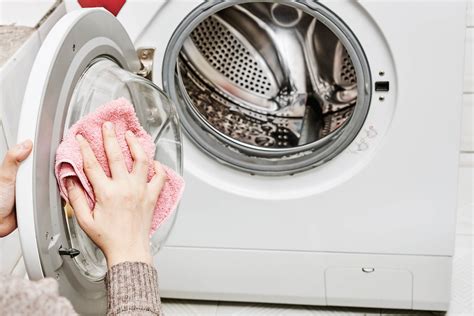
<point x="86" y="60"/>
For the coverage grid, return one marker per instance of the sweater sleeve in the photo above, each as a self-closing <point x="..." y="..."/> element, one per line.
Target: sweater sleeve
<point x="25" y="297"/>
<point x="132" y="289"/>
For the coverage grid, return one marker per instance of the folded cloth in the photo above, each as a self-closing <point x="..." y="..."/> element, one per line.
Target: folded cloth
<point x="120" y="112"/>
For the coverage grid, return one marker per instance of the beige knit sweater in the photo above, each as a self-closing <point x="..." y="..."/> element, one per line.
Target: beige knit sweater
<point x="132" y="289"/>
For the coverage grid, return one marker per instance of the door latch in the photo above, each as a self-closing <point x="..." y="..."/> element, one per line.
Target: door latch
<point x="71" y="252"/>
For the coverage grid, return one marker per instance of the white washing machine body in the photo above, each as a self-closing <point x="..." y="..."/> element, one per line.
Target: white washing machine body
<point x="371" y="223"/>
<point x="374" y="226"/>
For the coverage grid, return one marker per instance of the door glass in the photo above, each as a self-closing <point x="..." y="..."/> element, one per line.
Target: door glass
<point x="102" y="82"/>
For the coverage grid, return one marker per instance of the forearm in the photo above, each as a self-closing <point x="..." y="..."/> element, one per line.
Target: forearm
<point x="132" y="289"/>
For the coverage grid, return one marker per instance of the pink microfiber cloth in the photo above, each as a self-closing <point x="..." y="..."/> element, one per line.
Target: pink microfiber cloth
<point x="120" y="112"/>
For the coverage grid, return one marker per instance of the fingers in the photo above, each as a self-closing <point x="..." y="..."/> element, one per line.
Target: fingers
<point x="92" y="168"/>
<point x="12" y="160"/>
<point x="140" y="159"/>
<point x="7" y="224"/>
<point x="113" y="151"/>
<point x="157" y="183"/>
<point x="78" y="201"/>
<point x="8" y="170"/>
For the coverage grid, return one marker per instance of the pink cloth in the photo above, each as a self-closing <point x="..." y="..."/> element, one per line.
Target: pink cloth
<point x="120" y="112"/>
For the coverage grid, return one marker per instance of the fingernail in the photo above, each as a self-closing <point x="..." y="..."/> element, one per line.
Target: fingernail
<point x="79" y="138"/>
<point x="25" y="145"/>
<point x="18" y="147"/>
<point x="129" y="134"/>
<point x="108" y="125"/>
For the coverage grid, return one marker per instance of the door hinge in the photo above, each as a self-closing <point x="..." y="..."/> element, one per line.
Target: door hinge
<point x="145" y="55"/>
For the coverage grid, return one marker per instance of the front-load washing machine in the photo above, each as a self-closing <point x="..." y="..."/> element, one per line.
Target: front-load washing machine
<point x="321" y="146"/>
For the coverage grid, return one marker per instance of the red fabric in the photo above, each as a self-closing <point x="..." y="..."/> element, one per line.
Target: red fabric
<point x="113" y="6"/>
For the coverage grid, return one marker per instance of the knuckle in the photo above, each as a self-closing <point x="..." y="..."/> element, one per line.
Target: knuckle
<point x="158" y="167"/>
<point x="10" y="156"/>
<point x="154" y="191"/>
<point x="85" y="225"/>
<point x="159" y="179"/>
<point x="162" y="177"/>
<point x="84" y="146"/>
<point x="106" y="195"/>
<point x="4" y="231"/>
<point x="73" y="198"/>
<point x="89" y="164"/>
<point x="115" y="157"/>
<point x="152" y="200"/>
<point x="130" y="196"/>
<point x="151" y="203"/>
<point x="141" y="159"/>
<point x="160" y="173"/>
<point x="109" y="136"/>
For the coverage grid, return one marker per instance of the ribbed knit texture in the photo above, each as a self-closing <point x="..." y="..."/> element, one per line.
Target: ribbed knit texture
<point x="25" y="297"/>
<point x="132" y="289"/>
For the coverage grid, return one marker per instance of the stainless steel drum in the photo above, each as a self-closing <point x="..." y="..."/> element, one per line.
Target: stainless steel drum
<point x="269" y="87"/>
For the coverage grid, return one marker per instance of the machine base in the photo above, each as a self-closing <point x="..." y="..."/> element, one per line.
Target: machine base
<point x="307" y="278"/>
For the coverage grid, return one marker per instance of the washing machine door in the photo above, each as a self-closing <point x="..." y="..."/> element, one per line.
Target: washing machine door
<point x="86" y="60"/>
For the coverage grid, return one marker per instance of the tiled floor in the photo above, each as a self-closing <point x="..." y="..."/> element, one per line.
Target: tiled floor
<point x="462" y="294"/>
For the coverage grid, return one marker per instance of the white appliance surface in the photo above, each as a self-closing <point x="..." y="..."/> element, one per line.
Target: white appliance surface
<point x="389" y="206"/>
<point x="14" y="72"/>
<point x="375" y="226"/>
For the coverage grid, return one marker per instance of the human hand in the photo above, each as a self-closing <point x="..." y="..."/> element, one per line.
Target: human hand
<point x="8" y="171"/>
<point x="121" y="220"/>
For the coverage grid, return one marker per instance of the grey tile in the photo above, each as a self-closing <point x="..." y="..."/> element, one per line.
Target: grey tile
<point x="173" y="307"/>
<point x="405" y="313"/>
<point x="462" y="279"/>
<point x="255" y="309"/>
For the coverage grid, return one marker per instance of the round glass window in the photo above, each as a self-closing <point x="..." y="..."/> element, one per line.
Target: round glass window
<point x="102" y="82"/>
<point x="268" y="87"/>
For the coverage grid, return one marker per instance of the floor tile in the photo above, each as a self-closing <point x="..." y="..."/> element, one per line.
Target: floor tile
<point x="172" y="307"/>
<point x="461" y="296"/>
<point x="405" y="313"/>
<point x="254" y="309"/>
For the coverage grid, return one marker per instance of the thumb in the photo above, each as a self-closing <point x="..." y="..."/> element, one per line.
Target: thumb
<point x="13" y="158"/>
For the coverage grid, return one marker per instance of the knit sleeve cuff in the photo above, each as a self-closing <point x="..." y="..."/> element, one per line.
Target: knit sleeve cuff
<point x="132" y="287"/>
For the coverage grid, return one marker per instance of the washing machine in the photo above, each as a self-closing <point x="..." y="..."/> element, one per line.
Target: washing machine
<point x="320" y="143"/>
